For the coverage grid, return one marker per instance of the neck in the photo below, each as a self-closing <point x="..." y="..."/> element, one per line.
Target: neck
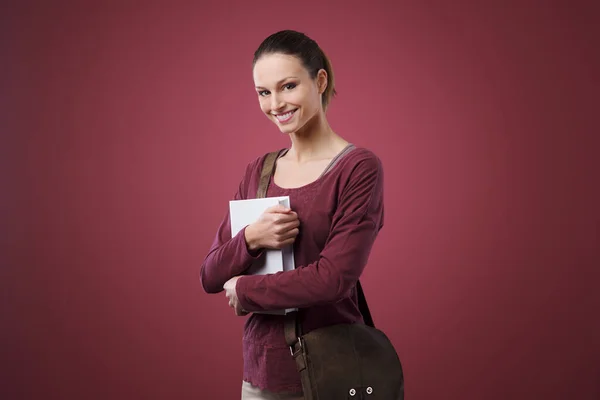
<point x="316" y="140"/>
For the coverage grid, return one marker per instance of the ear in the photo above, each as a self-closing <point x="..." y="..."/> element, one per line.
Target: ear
<point x="322" y="80"/>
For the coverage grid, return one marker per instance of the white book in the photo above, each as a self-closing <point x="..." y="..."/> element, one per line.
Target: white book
<point x="245" y="212"/>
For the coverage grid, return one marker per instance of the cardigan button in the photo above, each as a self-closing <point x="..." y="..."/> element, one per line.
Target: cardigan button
<point x="352" y="392"/>
<point x="369" y="390"/>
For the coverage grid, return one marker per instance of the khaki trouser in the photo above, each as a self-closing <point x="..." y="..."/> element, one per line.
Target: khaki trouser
<point x="250" y="392"/>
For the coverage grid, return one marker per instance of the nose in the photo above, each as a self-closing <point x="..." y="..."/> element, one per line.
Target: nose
<point x="276" y="102"/>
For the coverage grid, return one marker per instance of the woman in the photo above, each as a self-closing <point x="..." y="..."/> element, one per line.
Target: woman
<point x="336" y="196"/>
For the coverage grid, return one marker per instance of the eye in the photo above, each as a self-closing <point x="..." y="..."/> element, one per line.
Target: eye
<point x="289" y="86"/>
<point x="263" y="92"/>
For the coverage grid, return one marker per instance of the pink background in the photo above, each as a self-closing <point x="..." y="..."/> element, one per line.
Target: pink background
<point x="126" y="129"/>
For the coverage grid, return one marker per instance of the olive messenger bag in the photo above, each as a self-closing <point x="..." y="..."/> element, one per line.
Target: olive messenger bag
<point x="341" y="361"/>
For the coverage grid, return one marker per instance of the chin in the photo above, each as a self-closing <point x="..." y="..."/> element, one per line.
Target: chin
<point x="286" y="130"/>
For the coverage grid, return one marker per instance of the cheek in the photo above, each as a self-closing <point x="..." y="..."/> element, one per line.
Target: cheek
<point x="312" y="99"/>
<point x="264" y="105"/>
<point x="304" y="99"/>
<point x="310" y="105"/>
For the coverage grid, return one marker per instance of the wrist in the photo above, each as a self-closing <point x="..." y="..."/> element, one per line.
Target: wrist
<point x="251" y="239"/>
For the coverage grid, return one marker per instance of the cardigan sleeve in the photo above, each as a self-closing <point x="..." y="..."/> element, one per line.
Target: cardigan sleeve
<point x="355" y="225"/>
<point x="228" y="256"/>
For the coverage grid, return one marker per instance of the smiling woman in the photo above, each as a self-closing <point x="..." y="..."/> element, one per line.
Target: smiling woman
<point x="336" y="198"/>
<point x="291" y="92"/>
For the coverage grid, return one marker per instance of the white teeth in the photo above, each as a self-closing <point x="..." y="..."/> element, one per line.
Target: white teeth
<point x="283" y="117"/>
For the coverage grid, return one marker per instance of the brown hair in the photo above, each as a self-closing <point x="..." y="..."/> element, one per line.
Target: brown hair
<point x="297" y="44"/>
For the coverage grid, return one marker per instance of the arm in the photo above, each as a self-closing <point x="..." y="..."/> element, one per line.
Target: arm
<point x="227" y="256"/>
<point x="356" y="223"/>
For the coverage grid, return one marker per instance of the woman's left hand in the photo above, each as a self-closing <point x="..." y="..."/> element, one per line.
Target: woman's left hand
<point x="231" y="294"/>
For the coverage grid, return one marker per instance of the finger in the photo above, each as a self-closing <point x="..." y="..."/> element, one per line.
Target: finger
<point x="240" y="312"/>
<point x="285" y="217"/>
<point x="292" y="225"/>
<point x="286" y="226"/>
<point x="281" y="219"/>
<point x="237" y="308"/>
<point x="291" y="234"/>
<point x="291" y="216"/>
<point x="278" y="209"/>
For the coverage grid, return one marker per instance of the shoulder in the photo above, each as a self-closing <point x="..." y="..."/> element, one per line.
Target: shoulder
<point x="361" y="161"/>
<point x="360" y="184"/>
<point x="358" y="173"/>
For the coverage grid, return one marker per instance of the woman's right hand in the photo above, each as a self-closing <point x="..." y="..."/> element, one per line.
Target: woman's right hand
<point x="276" y="228"/>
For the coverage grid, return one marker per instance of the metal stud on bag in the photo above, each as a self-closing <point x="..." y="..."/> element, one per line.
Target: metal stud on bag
<point x="352" y="392"/>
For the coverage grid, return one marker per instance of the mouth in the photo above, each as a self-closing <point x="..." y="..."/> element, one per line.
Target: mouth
<point x="285" y="117"/>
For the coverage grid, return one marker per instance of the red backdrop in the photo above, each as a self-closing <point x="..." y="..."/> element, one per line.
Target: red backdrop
<point x="126" y="130"/>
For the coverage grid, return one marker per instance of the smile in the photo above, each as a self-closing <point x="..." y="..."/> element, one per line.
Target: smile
<point x="285" y="117"/>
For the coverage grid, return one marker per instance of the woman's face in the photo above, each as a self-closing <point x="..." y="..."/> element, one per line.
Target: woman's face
<point x="286" y="92"/>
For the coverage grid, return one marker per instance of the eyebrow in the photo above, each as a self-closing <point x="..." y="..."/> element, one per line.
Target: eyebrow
<point x="279" y="82"/>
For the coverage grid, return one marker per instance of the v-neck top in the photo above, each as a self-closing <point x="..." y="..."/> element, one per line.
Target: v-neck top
<point x="349" y="147"/>
<point x="340" y="216"/>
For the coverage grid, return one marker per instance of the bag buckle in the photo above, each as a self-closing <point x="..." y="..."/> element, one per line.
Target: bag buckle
<point x="295" y="352"/>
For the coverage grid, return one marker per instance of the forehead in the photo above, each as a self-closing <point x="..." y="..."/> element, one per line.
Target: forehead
<point x="271" y="68"/>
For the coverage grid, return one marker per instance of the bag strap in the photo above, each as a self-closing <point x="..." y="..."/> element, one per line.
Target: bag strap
<point x="265" y="175"/>
<point x="292" y="328"/>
